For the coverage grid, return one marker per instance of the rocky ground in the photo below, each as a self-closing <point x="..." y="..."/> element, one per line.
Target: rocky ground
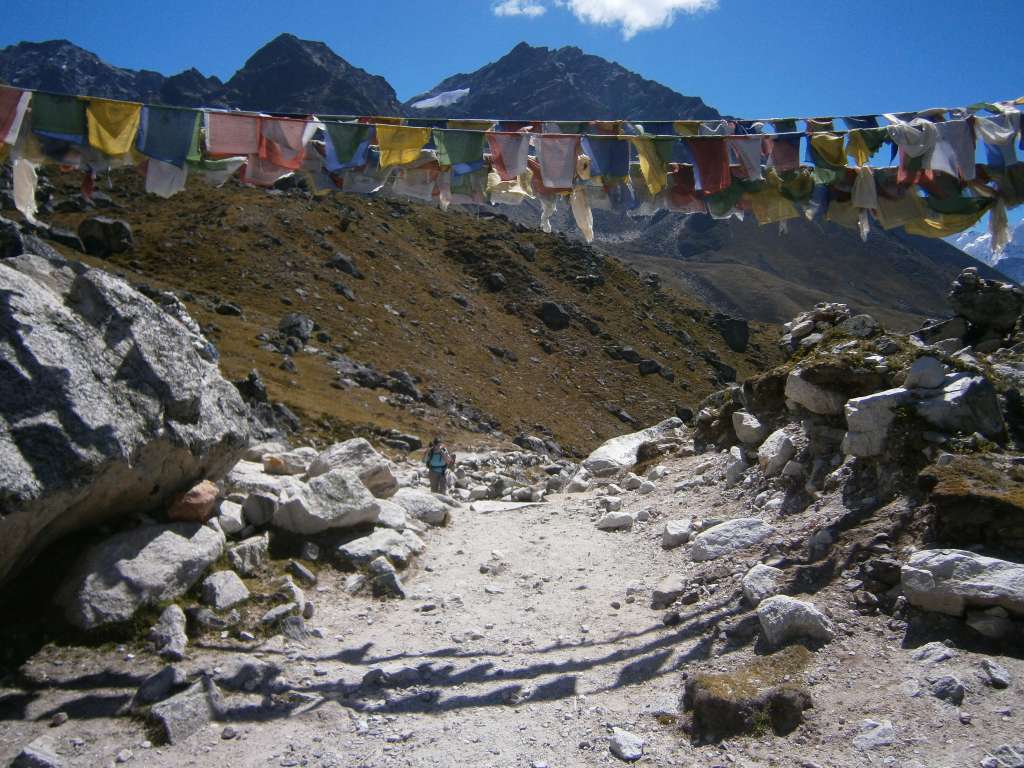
<point x="527" y="637"/>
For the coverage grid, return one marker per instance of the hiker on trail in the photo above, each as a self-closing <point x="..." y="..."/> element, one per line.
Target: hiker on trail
<point x="438" y="460"/>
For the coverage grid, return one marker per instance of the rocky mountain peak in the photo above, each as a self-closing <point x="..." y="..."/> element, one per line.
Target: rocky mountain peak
<point x="534" y="82"/>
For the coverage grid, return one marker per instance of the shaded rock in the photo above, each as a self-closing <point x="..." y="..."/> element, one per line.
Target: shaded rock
<point x="933" y="332"/>
<point x="397" y="547"/>
<point x="337" y="499"/>
<point x="279" y="613"/>
<point x="144" y="566"/>
<point x="925" y="373"/>
<point x="949" y="580"/>
<point x="244" y="673"/>
<point x="258" y="508"/>
<point x="966" y="404"/>
<point x="861" y="326"/>
<point x="229" y="518"/>
<point x="760" y="582"/>
<point x="868" y="420"/>
<point x="358" y="457"/>
<point x="948" y="688"/>
<point x="289" y="462"/>
<point x="159" y="686"/>
<point x="248" y="557"/>
<point x="385" y="579"/>
<point x="728" y="537"/>
<point x="102" y="236"/>
<point x="995" y="674"/>
<point x="182" y="715"/>
<point x="168" y="635"/>
<point x="344" y="264"/>
<point x="785" y="618"/>
<point x="297" y="325"/>
<point x="223" y="590"/>
<point x="986" y="304"/>
<point x="874" y="734"/>
<point x="553" y="315"/>
<point x="196" y="505"/>
<point x="814" y="398"/>
<point x="40" y="753"/>
<point x="113" y="404"/>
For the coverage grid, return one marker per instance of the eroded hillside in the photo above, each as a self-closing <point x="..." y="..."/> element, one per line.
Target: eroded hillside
<point x="450" y="298"/>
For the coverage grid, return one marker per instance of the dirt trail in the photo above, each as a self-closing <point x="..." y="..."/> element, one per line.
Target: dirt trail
<point x="529" y="666"/>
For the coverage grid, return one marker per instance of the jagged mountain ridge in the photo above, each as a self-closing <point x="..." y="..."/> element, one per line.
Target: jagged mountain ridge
<point x="979" y="245"/>
<point x="285" y="75"/>
<point x="533" y="82"/>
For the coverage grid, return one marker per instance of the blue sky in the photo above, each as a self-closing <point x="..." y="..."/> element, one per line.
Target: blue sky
<point x="744" y="57"/>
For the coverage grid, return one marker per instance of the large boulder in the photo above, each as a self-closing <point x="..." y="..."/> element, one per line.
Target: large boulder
<point x="868" y="420"/>
<point x="950" y="580"/>
<point x="775" y="452"/>
<point x="359" y="457"/>
<point x="620" y="453"/>
<point x="725" y="538"/>
<point x="397" y="547"/>
<point x="145" y="566"/>
<point x="813" y="397"/>
<point x="337" y="499"/>
<point x="422" y="505"/>
<point x="987" y="304"/>
<point x="112" y="404"/>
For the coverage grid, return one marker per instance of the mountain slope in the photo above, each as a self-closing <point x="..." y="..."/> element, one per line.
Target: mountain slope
<point x="564" y="83"/>
<point x="426" y="302"/>
<point x="758" y="273"/>
<point x="285" y="75"/>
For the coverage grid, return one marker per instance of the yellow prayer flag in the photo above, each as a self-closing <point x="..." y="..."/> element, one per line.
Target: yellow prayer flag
<point x="857" y="149"/>
<point x="471" y="125"/>
<point x="770" y="205"/>
<point x="652" y="166"/>
<point x="829" y="147"/>
<point x="896" y="212"/>
<point x="942" y="224"/>
<point x="113" y="125"/>
<point x="400" y="144"/>
<point x="687" y="127"/>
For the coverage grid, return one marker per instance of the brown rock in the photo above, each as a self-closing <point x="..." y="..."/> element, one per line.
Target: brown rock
<point x="195" y="505"/>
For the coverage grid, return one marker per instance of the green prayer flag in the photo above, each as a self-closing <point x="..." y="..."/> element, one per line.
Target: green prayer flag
<point x="59" y="117"/>
<point x="459" y="147"/>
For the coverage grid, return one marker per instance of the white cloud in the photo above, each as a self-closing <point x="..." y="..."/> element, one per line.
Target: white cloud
<point x="633" y="15"/>
<point x="529" y="8"/>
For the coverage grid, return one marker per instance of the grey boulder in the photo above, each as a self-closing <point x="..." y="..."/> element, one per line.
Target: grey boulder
<point x="785" y="618"/>
<point x="397" y="547"/>
<point x="223" y="590"/>
<point x="951" y="580"/>
<point x="169" y="635"/>
<point x="182" y="715"/>
<point x="358" y="457"/>
<point x="421" y="505"/>
<point x="145" y="566"/>
<point x="337" y="499"/>
<point x="725" y="538"/>
<point x="112" y="403"/>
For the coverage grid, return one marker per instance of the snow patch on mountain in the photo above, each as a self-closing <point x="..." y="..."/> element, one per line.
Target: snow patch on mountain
<point x="445" y="99"/>
<point x="978" y="244"/>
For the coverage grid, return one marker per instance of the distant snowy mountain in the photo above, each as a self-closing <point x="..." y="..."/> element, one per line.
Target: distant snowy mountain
<point x="979" y="245"/>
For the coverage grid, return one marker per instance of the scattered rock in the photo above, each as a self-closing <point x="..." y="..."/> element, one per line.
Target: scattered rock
<point x="986" y="304"/>
<point x="933" y="653"/>
<point x="359" y="457"/>
<point x="814" y="398"/>
<point x="397" y="547"/>
<point x="553" y="315"/>
<point x="728" y="537"/>
<point x="625" y="745"/>
<point x="182" y="715"/>
<point x="748" y="428"/>
<point x="337" y="499"/>
<point x="874" y="734"/>
<point x="777" y="449"/>
<point x="422" y="505"/>
<point x="676" y="533"/>
<point x="669" y="589"/>
<point x="41" y="753"/>
<point x="104" y="237"/>
<point x="248" y="557"/>
<point x="620" y="453"/>
<point x="245" y="674"/>
<point x="760" y="582"/>
<point x="196" y="505"/>
<point x="925" y="373"/>
<point x="169" y="635"/>
<point x="297" y="325"/>
<point x="289" y="462"/>
<point x="948" y="688"/>
<point x="785" y="618"/>
<point x="995" y="674"/>
<point x="616" y="521"/>
<point x="223" y="590"/>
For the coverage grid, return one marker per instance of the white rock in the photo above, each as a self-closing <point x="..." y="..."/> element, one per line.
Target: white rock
<point x="143" y="566"/>
<point x="735" y="467"/>
<point x="785" y="618"/>
<point x="391" y="515"/>
<point x="169" y="635"/>
<point x="358" y="456"/>
<point x="966" y="404"/>
<point x="619" y="453"/>
<point x="925" y="373"/>
<point x="248" y="557"/>
<point x="760" y="582"/>
<point x="625" y="745"/>
<point x="613" y="490"/>
<point x="676" y="533"/>
<point x="257" y="451"/>
<point x="775" y="451"/>
<point x="950" y="580"/>
<point x="615" y="521"/>
<point x="580" y="482"/>
<point x="337" y="499"/>
<point x="289" y="463"/>
<point x="631" y="482"/>
<point x="874" y="734"/>
<point x="249" y="477"/>
<point x="609" y="503"/>
<point x="422" y="505"/>
<point x="258" y="508"/>
<point x="748" y="428"/>
<point x="725" y="538"/>
<point x="646" y="487"/>
<point x="868" y="420"/>
<point x="812" y="397"/>
<point x="223" y="590"/>
<point x="230" y="518"/>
